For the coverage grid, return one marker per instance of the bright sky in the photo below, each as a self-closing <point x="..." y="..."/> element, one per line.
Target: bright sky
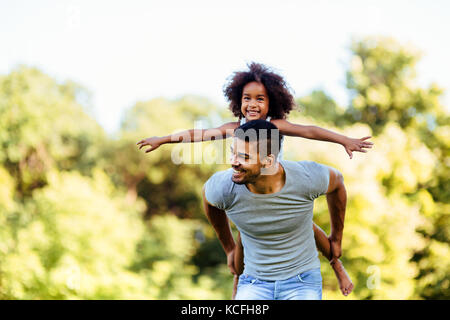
<point x="126" y="51"/>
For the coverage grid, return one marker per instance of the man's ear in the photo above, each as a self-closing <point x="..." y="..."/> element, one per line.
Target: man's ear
<point x="268" y="161"/>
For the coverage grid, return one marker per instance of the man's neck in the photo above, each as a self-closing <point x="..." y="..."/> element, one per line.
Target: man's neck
<point x="269" y="183"/>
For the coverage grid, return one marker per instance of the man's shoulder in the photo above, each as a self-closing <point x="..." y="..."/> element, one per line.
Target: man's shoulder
<point x="218" y="189"/>
<point x="311" y="176"/>
<point x="224" y="175"/>
<point x="220" y="180"/>
<point x="303" y="166"/>
<point x="311" y="171"/>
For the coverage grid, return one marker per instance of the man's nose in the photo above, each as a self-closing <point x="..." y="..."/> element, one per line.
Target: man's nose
<point x="234" y="161"/>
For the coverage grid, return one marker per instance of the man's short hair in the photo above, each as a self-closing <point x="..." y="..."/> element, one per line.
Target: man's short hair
<point x="265" y="132"/>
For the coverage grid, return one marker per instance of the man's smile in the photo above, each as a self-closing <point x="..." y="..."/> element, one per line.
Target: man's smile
<point x="237" y="172"/>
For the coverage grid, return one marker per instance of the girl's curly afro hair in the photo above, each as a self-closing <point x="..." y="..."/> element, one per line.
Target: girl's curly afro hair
<point x="281" y="101"/>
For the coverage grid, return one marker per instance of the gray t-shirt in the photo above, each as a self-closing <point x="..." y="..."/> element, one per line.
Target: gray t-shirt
<point x="276" y="229"/>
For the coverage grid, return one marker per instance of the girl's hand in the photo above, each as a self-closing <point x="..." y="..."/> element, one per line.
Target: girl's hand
<point x="351" y="145"/>
<point x="153" y="142"/>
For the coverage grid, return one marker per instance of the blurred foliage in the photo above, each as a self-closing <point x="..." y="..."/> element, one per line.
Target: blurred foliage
<point x="87" y="216"/>
<point x="407" y="171"/>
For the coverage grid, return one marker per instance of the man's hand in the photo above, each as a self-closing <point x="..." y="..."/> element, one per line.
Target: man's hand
<point x="153" y="142"/>
<point x="337" y="202"/>
<point x="336" y="250"/>
<point x="230" y="261"/>
<point x="235" y="284"/>
<point x="351" y="145"/>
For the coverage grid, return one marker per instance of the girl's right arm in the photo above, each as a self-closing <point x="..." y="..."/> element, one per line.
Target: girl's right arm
<point x="192" y="135"/>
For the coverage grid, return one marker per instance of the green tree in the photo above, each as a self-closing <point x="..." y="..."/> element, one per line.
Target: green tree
<point x="87" y="216"/>
<point x="164" y="185"/>
<point x="73" y="201"/>
<point x="74" y="239"/>
<point x="59" y="211"/>
<point x="44" y="127"/>
<point x="414" y="125"/>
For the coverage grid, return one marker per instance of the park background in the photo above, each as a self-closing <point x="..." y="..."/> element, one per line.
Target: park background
<point x="85" y="215"/>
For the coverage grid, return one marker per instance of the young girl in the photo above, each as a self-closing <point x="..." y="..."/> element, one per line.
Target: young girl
<point x="259" y="93"/>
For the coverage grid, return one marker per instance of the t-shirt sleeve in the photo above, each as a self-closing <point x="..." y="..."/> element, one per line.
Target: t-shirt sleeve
<point x="319" y="175"/>
<point x="215" y="189"/>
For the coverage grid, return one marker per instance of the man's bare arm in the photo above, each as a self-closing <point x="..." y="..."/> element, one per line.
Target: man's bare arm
<point x="337" y="202"/>
<point x="219" y="221"/>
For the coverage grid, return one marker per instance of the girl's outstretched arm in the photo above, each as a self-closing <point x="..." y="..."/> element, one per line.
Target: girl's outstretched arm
<point x="313" y="132"/>
<point x="192" y="135"/>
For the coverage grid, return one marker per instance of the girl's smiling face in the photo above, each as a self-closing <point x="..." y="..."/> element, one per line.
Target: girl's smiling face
<point x="255" y="101"/>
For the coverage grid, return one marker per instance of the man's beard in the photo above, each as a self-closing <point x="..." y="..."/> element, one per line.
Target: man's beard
<point x="247" y="178"/>
<point x="238" y="182"/>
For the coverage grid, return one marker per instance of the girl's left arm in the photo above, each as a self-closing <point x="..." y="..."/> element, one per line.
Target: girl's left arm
<point x="316" y="133"/>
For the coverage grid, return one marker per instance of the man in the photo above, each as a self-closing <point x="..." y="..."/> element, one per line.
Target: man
<point x="271" y="203"/>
